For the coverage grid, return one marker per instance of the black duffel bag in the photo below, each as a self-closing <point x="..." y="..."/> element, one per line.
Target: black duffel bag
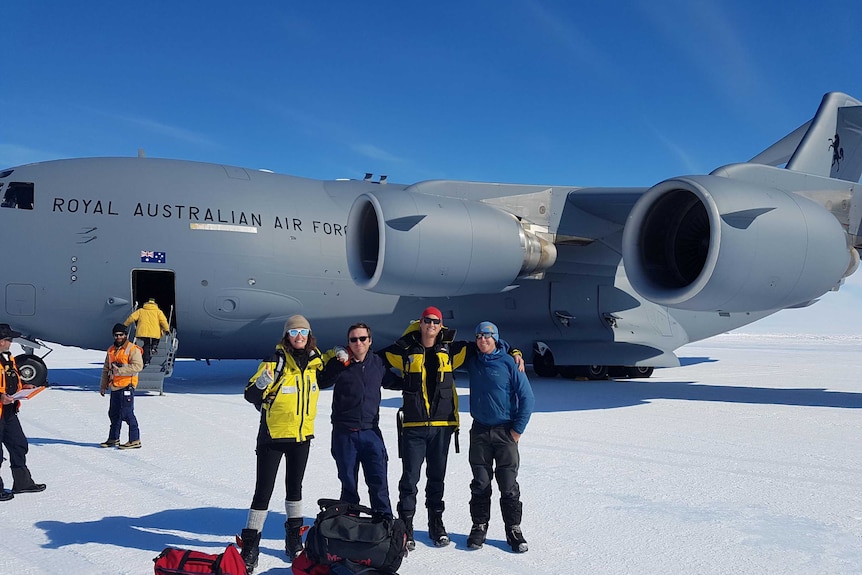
<point x="348" y="531"/>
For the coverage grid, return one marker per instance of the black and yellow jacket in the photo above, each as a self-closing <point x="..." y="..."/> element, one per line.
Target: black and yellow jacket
<point x="288" y="405"/>
<point x="407" y="355"/>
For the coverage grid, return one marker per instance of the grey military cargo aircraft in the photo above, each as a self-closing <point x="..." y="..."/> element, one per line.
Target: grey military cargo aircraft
<point x="590" y="280"/>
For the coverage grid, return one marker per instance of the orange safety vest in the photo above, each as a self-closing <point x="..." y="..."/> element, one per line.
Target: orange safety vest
<point x="11" y="367"/>
<point x="122" y="356"/>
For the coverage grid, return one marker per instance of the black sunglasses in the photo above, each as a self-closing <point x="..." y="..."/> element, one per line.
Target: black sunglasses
<point x="360" y="338"/>
<point x="430" y="320"/>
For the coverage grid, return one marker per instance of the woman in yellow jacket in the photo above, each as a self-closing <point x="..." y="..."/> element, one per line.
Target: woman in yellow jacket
<point x="285" y="391"/>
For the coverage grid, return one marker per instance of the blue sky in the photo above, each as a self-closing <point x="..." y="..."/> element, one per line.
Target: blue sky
<point x="554" y="92"/>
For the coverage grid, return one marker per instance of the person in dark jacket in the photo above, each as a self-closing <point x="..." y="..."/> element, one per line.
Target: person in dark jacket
<point x="501" y="402"/>
<point x="428" y="417"/>
<point x="356" y="437"/>
<point x="11" y="433"/>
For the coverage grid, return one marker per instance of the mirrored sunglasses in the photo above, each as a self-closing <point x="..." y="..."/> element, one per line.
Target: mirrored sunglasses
<point x="484" y="336"/>
<point x="296" y="332"/>
<point x="360" y="338"/>
<point x="430" y="320"/>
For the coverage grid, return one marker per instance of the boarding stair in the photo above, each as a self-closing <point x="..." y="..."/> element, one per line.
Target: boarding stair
<point x="161" y="366"/>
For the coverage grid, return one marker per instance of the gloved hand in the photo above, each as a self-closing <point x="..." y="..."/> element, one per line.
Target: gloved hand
<point x="264" y="379"/>
<point x="342" y="355"/>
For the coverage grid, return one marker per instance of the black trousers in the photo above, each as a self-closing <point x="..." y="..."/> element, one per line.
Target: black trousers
<point x="418" y="445"/>
<point x="490" y="445"/>
<point x="12" y="438"/>
<point x="268" y="458"/>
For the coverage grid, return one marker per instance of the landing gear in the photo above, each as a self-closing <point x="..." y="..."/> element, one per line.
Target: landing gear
<point x="32" y="369"/>
<point x="639" y="371"/>
<point x="543" y="360"/>
<point x="596" y="372"/>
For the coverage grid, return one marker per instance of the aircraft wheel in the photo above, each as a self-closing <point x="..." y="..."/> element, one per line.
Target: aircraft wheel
<point x="639" y="371"/>
<point x="595" y="372"/>
<point x="544" y="365"/>
<point x="32" y="369"/>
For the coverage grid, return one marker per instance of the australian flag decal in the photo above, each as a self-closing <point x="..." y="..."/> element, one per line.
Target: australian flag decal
<point x="152" y="257"/>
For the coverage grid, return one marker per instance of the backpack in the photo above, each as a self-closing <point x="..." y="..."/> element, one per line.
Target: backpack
<point x="173" y="561"/>
<point x="303" y="565"/>
<point x="347" y="531"/>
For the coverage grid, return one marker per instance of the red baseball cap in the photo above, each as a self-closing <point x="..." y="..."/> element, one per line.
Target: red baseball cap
<point x="431" y="310"/>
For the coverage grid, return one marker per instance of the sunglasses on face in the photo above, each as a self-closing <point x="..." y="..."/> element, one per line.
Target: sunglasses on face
<point x="430" y="320"/>
<point x="360" y="338"/>
<point x="295" y="332"/>
<point x="484" y="336"/>
<point x="119" y="335"/>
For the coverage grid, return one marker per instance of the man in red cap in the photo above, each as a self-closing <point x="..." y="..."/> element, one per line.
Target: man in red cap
<point x="428" y="417"/>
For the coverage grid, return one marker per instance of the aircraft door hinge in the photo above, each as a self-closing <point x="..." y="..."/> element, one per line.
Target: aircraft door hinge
<point x="564" y="317"/>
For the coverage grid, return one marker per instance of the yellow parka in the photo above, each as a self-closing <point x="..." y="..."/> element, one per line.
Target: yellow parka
<point x="151" y="322"/>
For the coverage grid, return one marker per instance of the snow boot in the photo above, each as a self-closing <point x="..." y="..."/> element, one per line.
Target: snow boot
<point x="23" y="483"/>
<point x="407" y="518"/>
<point x="477" y="535"/>
<point x="293" y="537"/>
<point x="250" y="539"/>
<point x="515" y="539"/>
<point x="436" y="530"/>
<point x="5" y="495"/>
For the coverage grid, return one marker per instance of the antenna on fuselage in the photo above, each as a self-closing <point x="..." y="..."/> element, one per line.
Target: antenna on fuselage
<point x="141" y="153"/>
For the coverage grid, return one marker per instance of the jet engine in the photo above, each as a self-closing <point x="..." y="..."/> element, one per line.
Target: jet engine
<point x="406" y="243"/>
<point x="709" y="243"/>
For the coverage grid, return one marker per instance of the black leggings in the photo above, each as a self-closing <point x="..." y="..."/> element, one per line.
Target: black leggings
<point x="268" y="458"/>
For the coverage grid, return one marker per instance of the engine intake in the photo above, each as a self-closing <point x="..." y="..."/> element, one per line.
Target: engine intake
<point x="708" y="243"/>
<point x="405" y="243"/>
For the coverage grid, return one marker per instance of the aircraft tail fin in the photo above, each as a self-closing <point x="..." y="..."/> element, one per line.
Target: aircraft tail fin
<point x="830" y="145"/>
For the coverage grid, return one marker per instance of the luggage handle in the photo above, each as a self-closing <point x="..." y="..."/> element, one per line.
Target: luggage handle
<point x="334" y="507"/>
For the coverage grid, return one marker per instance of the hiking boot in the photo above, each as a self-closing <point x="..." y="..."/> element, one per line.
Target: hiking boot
<point x="110" y="443"/>
<point x="477" y="535"/>
<point x="436" y="530"/>
<point x="22" y="482"/>
<point x="407" y="518"/>
<point x="293" y="537"/>
<point x="249" y="548"/>
<point x="136" y="444"/>
<point x="515" y="539"/>
<point x="6" y="495"/>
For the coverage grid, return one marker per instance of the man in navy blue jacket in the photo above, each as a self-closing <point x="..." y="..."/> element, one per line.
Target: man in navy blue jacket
<point x="356" y="436"/>
<point x="501" y="402"/>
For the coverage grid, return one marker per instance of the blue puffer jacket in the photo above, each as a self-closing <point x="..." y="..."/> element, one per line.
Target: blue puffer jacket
<point x="499" y="393"/>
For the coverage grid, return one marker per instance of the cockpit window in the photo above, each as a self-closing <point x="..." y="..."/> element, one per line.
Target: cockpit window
<point x="18" y="195"/>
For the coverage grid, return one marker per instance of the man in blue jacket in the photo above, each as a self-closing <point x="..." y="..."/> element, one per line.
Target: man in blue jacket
<point x="356" y="437"/>
<point x="501" y="402"/>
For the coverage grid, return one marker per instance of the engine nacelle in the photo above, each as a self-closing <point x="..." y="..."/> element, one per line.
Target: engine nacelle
<point x="414" y="244"/>
<point x="708" y="243"/>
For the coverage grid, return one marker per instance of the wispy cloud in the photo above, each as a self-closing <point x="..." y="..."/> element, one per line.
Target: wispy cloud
<point x="15" y="155"/>
<point x="376" y="153"/>
<point x="704" y="32"/>
<point x="156" y="127"/>
<point x="574" y="42"/>
<point x="678" y="151"/>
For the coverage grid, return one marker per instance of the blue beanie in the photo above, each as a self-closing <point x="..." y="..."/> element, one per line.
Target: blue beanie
<point x="488" y="327"/>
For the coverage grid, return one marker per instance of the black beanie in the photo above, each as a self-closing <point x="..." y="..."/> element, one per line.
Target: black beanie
<point x="118" y="327"/>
